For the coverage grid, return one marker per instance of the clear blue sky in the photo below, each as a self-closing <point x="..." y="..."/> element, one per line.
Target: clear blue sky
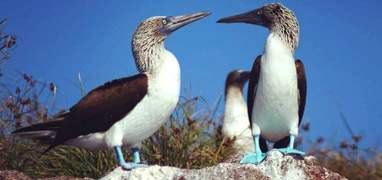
<point x="340" y="45"/>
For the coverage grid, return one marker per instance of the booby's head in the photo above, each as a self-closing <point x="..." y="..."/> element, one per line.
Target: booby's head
<point x="236" y="79"/>
<point x="149" y="37"/>
<point x="274" y="16"/>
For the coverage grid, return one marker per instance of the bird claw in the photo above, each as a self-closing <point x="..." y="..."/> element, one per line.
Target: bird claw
<point x="289" y="150"/>
<point x="130" y="166"/>
<point x="253" y="158"/>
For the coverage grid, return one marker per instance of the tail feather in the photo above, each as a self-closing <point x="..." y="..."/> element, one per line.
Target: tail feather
<point x="43" y="132"/>
<point x="52" y="126"/>
<point x="44" y="136"/>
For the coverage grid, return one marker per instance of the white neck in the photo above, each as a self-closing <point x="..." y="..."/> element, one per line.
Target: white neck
<point x="277" y="59"/>
<point x="165" y="64"/>
<point x="275" y="46"/>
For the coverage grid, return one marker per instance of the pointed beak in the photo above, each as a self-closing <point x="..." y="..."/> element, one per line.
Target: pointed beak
<point x="251" y="17"/>
<point x="176" y="22"/>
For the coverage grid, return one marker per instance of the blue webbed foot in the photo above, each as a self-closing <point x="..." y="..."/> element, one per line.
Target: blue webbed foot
<point x="289" y="150"/>
<point x="253" y="158"/>
<point x="131" y="165"/>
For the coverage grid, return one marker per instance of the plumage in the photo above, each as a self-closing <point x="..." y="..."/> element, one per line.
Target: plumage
<point x="277" y="87"/>
<point x="302" y="89"/>
<point x="252" y="85"/>
<point x="96" y="112"/>
<point x="102" y="107"/>
<point x="127" y="110"/>
<point x="236" y="120"/>
<point x="251" y="93"/>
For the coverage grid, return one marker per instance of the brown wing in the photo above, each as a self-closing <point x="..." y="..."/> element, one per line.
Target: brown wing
<point x="102" y="107"/>
<point x="302" y="88"/>
<point x="252" y="85"/>
<point x="253" y="81"/>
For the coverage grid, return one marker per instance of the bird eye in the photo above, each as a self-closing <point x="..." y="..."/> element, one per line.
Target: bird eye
<point x="259" y="12"/>
<point x="164" y="21"/>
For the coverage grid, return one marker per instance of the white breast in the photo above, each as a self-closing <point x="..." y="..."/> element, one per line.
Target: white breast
<point x="148" y="115"/>
<point x="157" y="106"/>
<point x="275" y="109"/>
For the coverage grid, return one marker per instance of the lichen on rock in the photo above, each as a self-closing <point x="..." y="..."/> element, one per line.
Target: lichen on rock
<point x="275" y="166"/>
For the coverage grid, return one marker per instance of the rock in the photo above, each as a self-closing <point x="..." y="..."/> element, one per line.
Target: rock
<point x="65" y="178"/>
<point x="276" y="166"/>
<point x="13" y="175"/>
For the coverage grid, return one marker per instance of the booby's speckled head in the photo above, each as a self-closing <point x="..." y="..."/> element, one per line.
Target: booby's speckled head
<point x="236" y="78"/>
<point x="151" y="33"/>
<point x="274" y="16"/>
<point x="159" y="27"/>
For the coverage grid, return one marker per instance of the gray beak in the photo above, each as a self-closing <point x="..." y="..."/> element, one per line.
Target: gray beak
<point x="176" y="22"/>
<point x="251" y="17"/>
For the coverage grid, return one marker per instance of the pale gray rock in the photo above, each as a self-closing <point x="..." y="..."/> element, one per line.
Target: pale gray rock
<point x="276" y="166"/>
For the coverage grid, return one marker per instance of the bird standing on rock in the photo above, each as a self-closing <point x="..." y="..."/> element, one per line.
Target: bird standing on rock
<point x="277" y="86"/>
<point x="128" y="110"/>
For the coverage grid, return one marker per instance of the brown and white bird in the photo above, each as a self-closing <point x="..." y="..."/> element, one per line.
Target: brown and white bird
<point x="128" y="110"/>
<point x="236" y="120"/>
<point x="277" y="86"/>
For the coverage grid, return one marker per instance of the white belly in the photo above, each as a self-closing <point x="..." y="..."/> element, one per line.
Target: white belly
<point x="154" y="111"/>
<point x="275" y="109"/>
<point x="147" y="116"/>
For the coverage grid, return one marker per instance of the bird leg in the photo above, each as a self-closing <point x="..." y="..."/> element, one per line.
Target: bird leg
<point x="290" y="149"/>
<point x="136" y="156"/>
<point x="257" y="156"/>
<point x="128" y="165"/>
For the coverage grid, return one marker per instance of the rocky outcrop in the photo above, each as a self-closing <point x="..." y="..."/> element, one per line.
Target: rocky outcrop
<point x="10" y="175"/>
<point x="15" y="175"/>
<point x="276" y="166"/>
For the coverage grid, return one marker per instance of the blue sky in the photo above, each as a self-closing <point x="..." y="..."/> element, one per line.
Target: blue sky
<point x="340" y="46"/>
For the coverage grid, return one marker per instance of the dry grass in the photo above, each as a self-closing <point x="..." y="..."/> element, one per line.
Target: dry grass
<point x="189" y="140"/>
<point x="7" y="42"/>
<point x="360" y="168"/>
<point x="346" y="157"/>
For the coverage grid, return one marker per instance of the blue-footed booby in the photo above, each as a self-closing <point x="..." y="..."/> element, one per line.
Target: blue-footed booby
<point x="128" y="110"/>
<point x="277" y="86"/>
<point x="236" y="120"/>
